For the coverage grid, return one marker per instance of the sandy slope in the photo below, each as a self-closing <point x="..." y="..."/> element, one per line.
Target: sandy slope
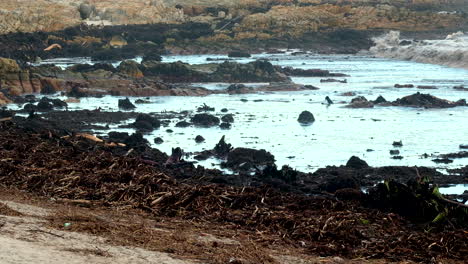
<point x="25" y="239"/>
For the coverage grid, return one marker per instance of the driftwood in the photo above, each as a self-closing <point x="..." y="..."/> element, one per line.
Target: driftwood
<point x="53" y="46"/>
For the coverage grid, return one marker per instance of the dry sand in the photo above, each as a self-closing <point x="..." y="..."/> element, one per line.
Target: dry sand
<point x="26" y="239"/>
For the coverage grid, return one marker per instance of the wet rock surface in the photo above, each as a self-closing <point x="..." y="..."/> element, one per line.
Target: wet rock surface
<point x="306" y="117"/>
<point x="126" y="104"/>
<point x="146" y="122"/>
<point x="245" y="159"/>
<point x="427" y="101"/>
<point x="205" y="120"/>
<point x="414" y="100"/>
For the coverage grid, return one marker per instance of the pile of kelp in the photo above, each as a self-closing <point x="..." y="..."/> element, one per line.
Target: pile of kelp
<point x="83" y="167"/>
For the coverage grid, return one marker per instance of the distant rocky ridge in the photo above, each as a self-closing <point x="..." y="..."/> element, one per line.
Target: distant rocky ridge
<point x="240" y="19"/>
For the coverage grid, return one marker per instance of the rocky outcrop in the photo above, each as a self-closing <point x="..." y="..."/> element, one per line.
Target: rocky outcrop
<point x="245" y="159"/>
<point x="427" y="101"/>
<point x="205" y="120"/>
<point x="414" y="100"/>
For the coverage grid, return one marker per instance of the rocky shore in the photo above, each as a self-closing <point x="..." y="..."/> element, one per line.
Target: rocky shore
<point x="326" y="210"/>
<point x="102" y="183"/>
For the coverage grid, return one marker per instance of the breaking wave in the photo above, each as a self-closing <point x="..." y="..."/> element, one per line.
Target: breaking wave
<point x="451" y="51"/>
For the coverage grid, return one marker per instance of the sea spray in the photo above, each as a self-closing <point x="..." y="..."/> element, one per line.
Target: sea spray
<point x="451" y="51"/>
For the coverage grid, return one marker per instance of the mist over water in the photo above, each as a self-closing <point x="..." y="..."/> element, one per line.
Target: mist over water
<point x="451" y="51"/>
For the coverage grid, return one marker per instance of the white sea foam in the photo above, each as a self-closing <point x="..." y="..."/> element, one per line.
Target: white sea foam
<point x="451" y="51"/>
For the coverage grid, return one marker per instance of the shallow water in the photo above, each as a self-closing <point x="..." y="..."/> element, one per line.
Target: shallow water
<point x="338" y="132"/>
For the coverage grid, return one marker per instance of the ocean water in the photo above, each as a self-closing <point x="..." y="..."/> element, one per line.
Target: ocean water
<point x="268" y="120"/>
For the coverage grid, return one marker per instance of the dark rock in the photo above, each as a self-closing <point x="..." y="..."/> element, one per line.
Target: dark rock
<point x="245" y="158"/>
<point x="397" y="143"/>
<point x="44" y="106"/>
<point x="47" y="88"/>
<point x="394" y="152"/>
<point x="30" y="108"/>
<point x="158" y="140"/>
<point x="225" y="125"/>
<point x="119" y="137"/>
<point x="169" y="130"/>
<point x="151" y="57"/>
<point x="146" y="122"/>
<point x="136" y="140"/>
<point x="397" y="157"/>
<point x="329" y="101"/>
<point x="457" y="155"/>
<point x="380" y="100"/>
<point x="256" y="71"/>
<point x="239" y="54"/>
<point x="176" y="156"/>
<point x="76" y="92"/>
<point x="126" y="104"/>
<point x="205" y="108"/>
<point x="427" y="101"/>
<point x="229" y="118"/>
<point x="356" y="163"/>
<point x="141" y="101"/>
<point x="199" y="139"/>
<point x="427" y="87"/>
<point x="224" y="110"/>
<point x="306" y="117"/>
<point x="4" y="113"/>
<point x="183" y="124"/>
<point x="463" y="146"/>
<point x="222" y="148"/>
<point x="236" y="87"/>
<point x="57" y="103"/>
<point x="333" y="80"/>
<point x="360" y="102"/>
<point x="403" y="86"/>
<point x="130" y="68"/>
<point x="206" y="120"/>
<point x="443" y="160"/>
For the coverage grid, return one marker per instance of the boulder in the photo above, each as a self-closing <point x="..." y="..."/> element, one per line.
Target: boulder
<point x="130" y="68"/>
<point x="256" y="71"/>
<point x="183" y="124"/>
<point x="225" y="125"/>
<point x="126" y="104"/>
<point x="229" y="118"/>
<point x="306" y="117"/>
<point x="146" y="122"/>
<point x="205" y="120"/>
<point x="222" y="148"/>
<point x="427" y="101"/>
<point x="118" y="137"/>
<point x="158" y="140"/>
<point x="199" y="139"/>
<point x="360" y="102"/>
<point x="136" y="140"/>
<point x="356" y="163"/>
<point x="245" y="158"/>
<point x="380" y="100"/>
